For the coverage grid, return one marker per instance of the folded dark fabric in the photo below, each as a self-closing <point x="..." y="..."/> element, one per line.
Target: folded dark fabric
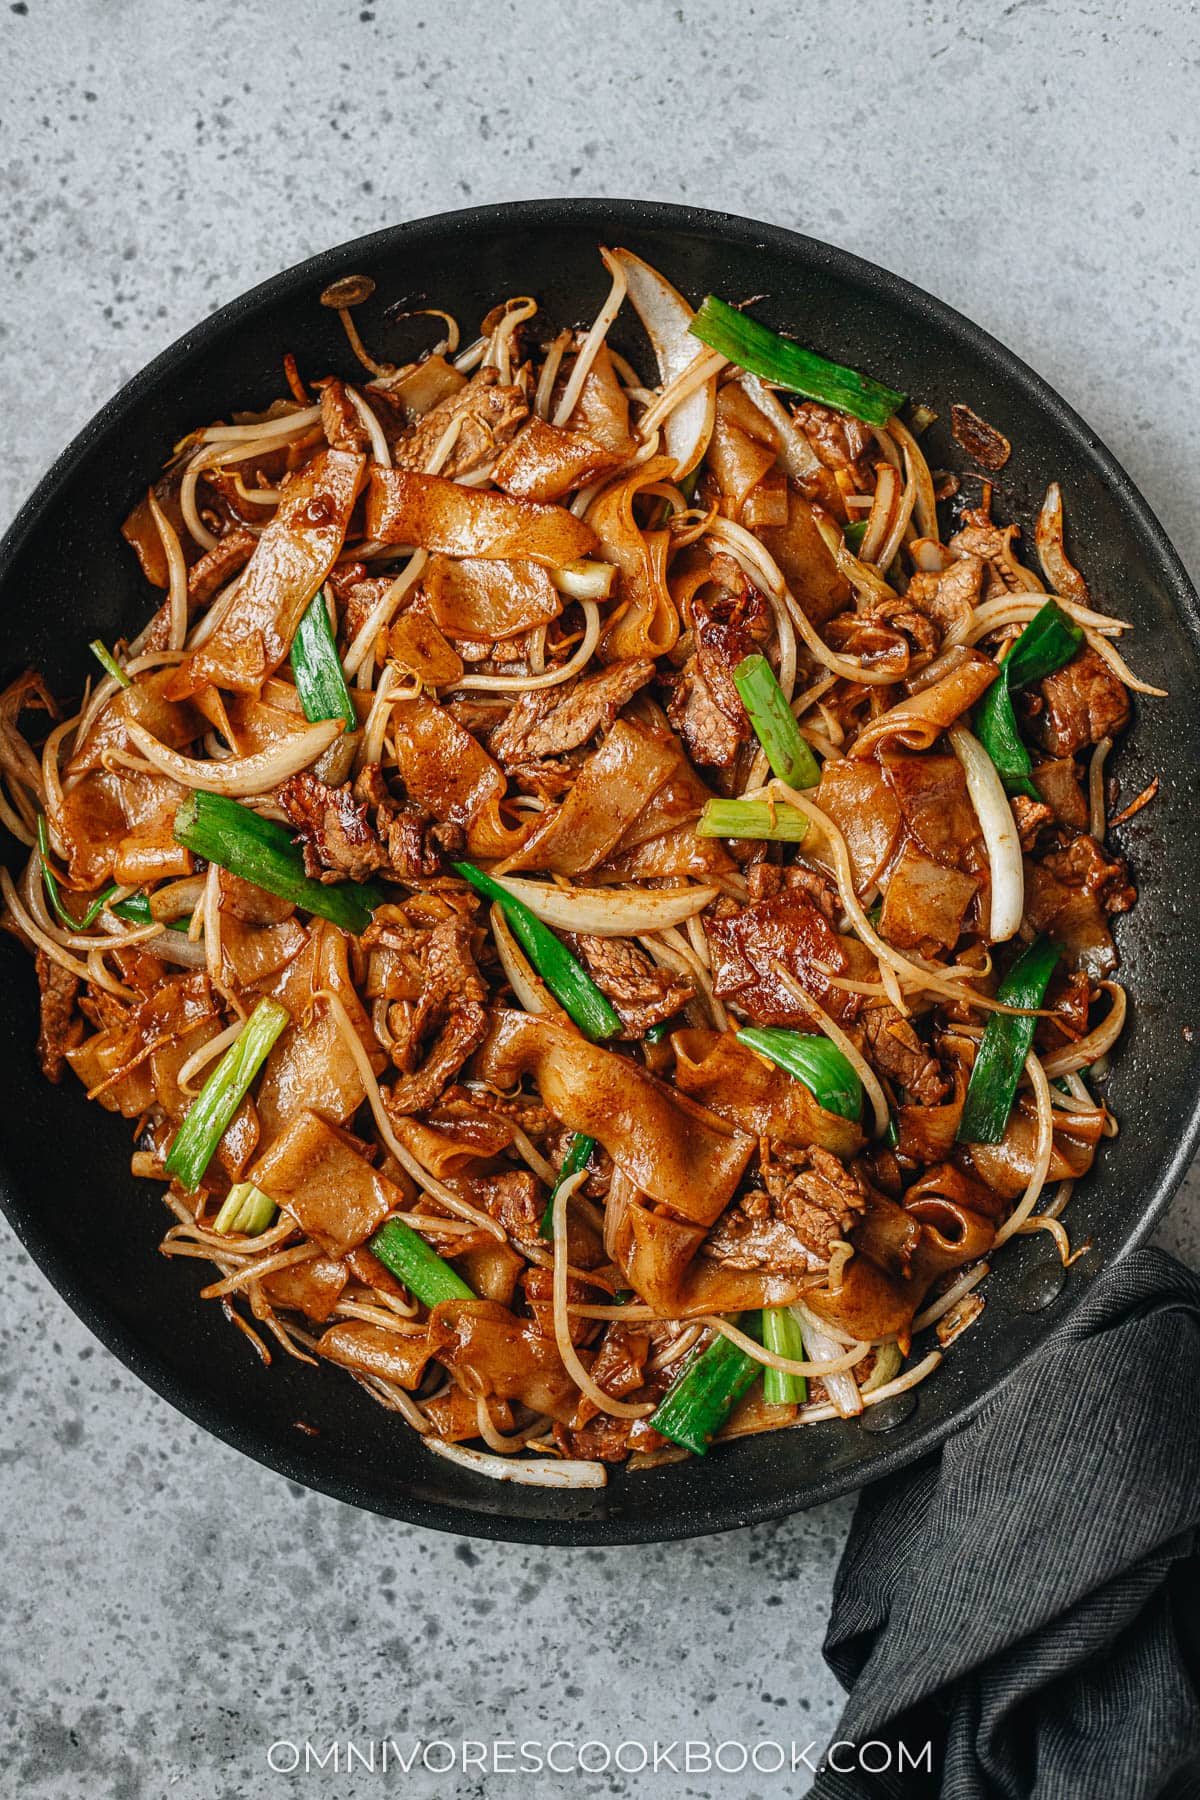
<point x="1028" y="1601"/>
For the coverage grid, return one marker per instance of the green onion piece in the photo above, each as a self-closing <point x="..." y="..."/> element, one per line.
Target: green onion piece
<point x="996" y="729"/>
<point x="750" y="819"/>
<point x="781" y="1333"/>
<point x="774" y="726"/>
<point x="578" y="1151"/>
<point x="687" y="484"/>
<point x="108" y="662"/>
<point x="1050" y="639"/>
<point x="658" y="1034"/>
<point x="813" y="1060"/>
<point x="623" y="1296"/>
<point x="246" y="1210"/>
<point x="317" y="667"/>
<point x="566" y="978"/>
<point x="854" y="535"/>
<point x="891" y="1136"/>
<point x="410" y="1259"/>
<point x="778" y="359"/>
<point x="222" y="1094"/>
<point x="259" y="850"/>
<point x="1005" y="1045"/>
<point x="705" y="1392"/>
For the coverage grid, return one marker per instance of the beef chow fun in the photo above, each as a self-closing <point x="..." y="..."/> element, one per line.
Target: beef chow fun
<point x="591" y="882"/>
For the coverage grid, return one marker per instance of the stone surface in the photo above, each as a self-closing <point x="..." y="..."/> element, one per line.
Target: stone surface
<point x="171" y="1608"/>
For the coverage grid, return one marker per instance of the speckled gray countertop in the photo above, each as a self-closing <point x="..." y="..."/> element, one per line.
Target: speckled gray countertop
<point x="172" y="1609"/>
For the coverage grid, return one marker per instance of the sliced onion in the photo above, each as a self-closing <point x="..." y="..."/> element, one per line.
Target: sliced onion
<point x="524" y="980"/>
<point x="256" y="774"/>
<point x="551" y="1473"/>
<point x="665" y="316"/>
<point x="999" y="833"/>
<point x="605" y="912"/>
<point x="843" y="1390"/>
<point x="1059" y="570"/>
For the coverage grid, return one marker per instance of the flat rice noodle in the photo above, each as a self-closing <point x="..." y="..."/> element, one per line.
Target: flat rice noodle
<point x="679" y="852"/>
<point x="945" y="1183"/>
<point x="167" y="1060"/>
<point x="787" y="929"/>
<point x="919" y="719"/>
<point x="417" y="390"/>
<point x="932" y="794"/>
<point x="295" y="553"/>
<point x="261" y="724"/>
<point x="492" y="1271"/>
<point x="451" y="1148"/>
<point x="647" y="623"/>
<point x="743" y="447"/>
<point x="310" y="1067"/>
<point x="251" y="953"/>
<point x="602" y="410"/>
<point x="417" y="645"/>
<point x="491" y="1353"/>
<point x="239" y="1140"/>
<point x="143" y="702"/>
<point x="927" y="1133"/>
<point x="544" y="462"/>
<point x="608" y="794"/>
<point x="313" y="1288"/>
<point x="898" y="1255"/>
<point x="659" y="1257"/>
<point x="805" y="561"/>
<point x="1073" y="918"/>
<point x="671" y="1148"/>
<point x="450" y="774"/>
<point x="753" y="1094"/>
<point x="474" y="597"/>
<point x="865" y="810"/>
<point x="121" y="1054"/>
<point x="1007" y="1167"/>
<point x="432" y="513"/>
<point x="924" y="902"/>
<point x="453" y="1416"/>
<point x="370" y="1349"/>
<point x="141" y="533"/>
<point x="320" y="1178"/>
<point x="148" y="851"/>
<point x="100" y="1058"/>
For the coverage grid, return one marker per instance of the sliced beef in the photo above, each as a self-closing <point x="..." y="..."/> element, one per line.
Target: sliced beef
<point x="343" y="428"/>
<point x="548" y="723"/>
<point x="61" y="1026"/>
<point x="488" y="414"/>
<point x="1084" y="702"/>
<point x="897" y="1052"/>
<point x="787" y="929"/>
<point x="729" y="621"/>
<point x="1083" y="864"/>
<point x="1030" y="816"/>
<point x="219" y="565"/>
<point x="337" y="837"/>
<point x="451" y="1003"/>
<point x="816" y="1194"/>
<point x="642" y="993"/>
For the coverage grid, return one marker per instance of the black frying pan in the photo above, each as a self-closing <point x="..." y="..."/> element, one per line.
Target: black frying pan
<point x="67" y="577"/>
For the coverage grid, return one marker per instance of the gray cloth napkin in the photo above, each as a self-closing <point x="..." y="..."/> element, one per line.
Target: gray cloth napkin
<point x="1029" y="1600"/>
